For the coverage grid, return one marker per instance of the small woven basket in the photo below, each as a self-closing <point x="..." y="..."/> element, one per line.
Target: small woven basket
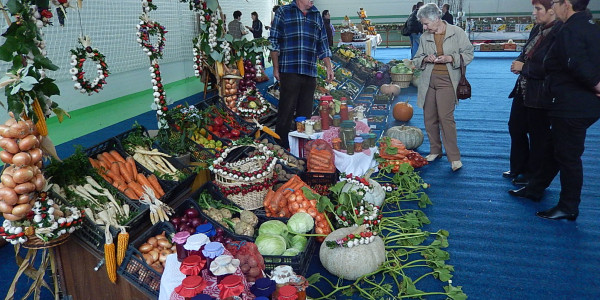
<point x="347" y="36"/>
<point x="34" y="242"/>
<point x="401" y="77"/>
<point x="248" y="200"/>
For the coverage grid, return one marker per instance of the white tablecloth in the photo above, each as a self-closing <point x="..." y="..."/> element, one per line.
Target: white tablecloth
<point x="171" y="277"/>
<point x="358" y="164"/>
<point x="369" y="46"/>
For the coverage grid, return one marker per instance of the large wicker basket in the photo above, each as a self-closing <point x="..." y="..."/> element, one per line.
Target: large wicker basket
<point x="245" y="181"/>
<point x="347" y="37"/>
<point x="402" y="80"/>
<point x="34" y="242"/>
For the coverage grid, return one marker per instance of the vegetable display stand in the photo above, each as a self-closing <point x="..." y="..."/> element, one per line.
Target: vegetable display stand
<point x="136" y="270"/>
<point x="255" y="173"/>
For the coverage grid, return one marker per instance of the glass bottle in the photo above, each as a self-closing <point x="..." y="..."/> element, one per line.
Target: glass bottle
<point x="179" y="239"/>
<point x="325" y="110"/>
<point x="343" y="109"/>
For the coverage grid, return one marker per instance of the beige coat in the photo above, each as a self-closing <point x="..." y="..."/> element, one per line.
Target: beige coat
<point x="455" y="42"/>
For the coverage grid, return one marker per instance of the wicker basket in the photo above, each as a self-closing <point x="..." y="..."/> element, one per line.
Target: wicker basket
<point x="402" y="84"/>
<point x="347" y="36"/>
<point x="34" y="242"/>
<point x="401" y="77"/>
<point x="249" y="191"/>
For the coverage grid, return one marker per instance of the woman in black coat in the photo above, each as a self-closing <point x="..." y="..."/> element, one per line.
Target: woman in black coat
<point x="528" y="124"/>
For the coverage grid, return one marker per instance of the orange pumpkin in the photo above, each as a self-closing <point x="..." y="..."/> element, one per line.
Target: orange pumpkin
<point x="403" y="111"/>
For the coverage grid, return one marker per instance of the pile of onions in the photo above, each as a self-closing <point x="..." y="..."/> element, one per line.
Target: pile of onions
<point x="230" y="88"/>
<point x="23" y="178"/>
<point x="247" y="83"/>
<point x="155" y="251"/>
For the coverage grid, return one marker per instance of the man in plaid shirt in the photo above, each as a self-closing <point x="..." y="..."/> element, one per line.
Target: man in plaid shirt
<point x="298" y="37"/>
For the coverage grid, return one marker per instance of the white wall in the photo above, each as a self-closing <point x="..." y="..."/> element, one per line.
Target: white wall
<point x="262" y="7"/>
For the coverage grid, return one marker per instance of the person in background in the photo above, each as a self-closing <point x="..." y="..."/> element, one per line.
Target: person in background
<point x="235" y="27"/>
<point x="446" y="15"/>
<point x="328" y="27"/>
<point x="256" y="28"/>
<point x="415" y="28"/>
<point x="528" y="123"/>
<point x="275" y="8"/>
<point x="438" y="56"/>
<point x="295" y="49"/>
<point x="573" y="80"/>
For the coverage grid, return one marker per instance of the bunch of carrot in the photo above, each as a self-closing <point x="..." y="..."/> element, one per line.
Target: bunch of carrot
<point x="123" y="174"/>
<point x="392" y="149"/>
<point x="320" y="157"/>
<point x="290" y="199"/>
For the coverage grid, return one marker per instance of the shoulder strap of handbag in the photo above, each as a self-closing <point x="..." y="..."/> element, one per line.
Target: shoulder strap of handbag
<point x="463" y="69"/>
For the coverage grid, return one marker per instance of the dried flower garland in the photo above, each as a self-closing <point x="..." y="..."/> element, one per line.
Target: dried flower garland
<point x="252" y="105"/>
<point x="360" y="237"/>
<point x="146" y="29"/>
<point x="47" y="219"/>
<point x="78" y="58"/>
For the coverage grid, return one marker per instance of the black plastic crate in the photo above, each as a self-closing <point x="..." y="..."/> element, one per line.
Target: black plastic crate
<point x="113" y="144"/>
<point x="135" y="130"/>
<point x="299" y="262"/>
<point x="379" y="110"/>
<point x="382" y="99"/>
<point x="135" y="270"/>
<point x="320" y="182"/>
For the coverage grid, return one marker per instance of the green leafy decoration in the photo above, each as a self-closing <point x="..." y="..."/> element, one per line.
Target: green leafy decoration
<point x="14" y="6"/>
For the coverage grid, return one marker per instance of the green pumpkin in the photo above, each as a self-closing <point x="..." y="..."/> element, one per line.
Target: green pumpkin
<point x="412" y="137"/>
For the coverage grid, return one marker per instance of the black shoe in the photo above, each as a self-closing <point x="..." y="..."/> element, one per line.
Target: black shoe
<point x="556" y="213"/>
<point x="521" y="180"/>
<point x="509" y="174"/>
<point x="522" y="193"/>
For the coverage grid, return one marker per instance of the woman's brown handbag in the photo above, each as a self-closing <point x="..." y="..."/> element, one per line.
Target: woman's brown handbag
<point x="463" y="91"/>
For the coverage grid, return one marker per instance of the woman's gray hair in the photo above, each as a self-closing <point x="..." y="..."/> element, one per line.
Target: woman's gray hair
<point x="429" y="11"/>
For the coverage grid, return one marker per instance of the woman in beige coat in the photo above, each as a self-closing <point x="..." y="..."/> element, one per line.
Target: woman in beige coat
<point x="438" y="57"/>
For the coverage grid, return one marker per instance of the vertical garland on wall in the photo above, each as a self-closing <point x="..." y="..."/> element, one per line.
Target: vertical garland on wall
<point x="148" y="29"/>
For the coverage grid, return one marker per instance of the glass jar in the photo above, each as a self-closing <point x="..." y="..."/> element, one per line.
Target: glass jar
<point x="366" y="141"/>
<point x="358" y="147"/>
<point x="343" y="109"/>
<point x="207" y="229"/>
<point x="300" y="124"/>
<point x="263" y="287"/>
<point x="230" y="286"/>
<point x="347" y="132"/>
<point x="287" y="292"/>
<point x="337" y="143"/>
<point x="308" y="127"/>
<point x="301" y="284"/>
<point x="192" y="265"/>
<point x="350" y="112"/>
<point x="317" y="123"/>
<point x="179" y="240"/>
<point x="350" y="147"/>
<point x="191" y="286"/>
<point x="195" y="244"/>
<point x="337" y="120"/>
<point x="211" y="251"/>
<point x="372" y="139"/>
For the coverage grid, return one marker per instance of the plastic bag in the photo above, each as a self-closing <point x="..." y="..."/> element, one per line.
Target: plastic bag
<point x="252" y="263"/>
<point x="320" y="157"/>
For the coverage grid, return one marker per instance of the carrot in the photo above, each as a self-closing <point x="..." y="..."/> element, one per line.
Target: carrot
<point x="116" y="155"/>
<point x="156" y="185"/>
<point x="110" y="180"/>
<point x="132" y="165"/>
<point x="94" y="163"/>
<point x="107" y="158"/>
<point x="137" y="189"/>
<point x="124" y="171"/>
<point x="120" y="185"/>
<point x="143" y="181"/>
<point x="130" y="193"/>
<point x="114" y="176"/>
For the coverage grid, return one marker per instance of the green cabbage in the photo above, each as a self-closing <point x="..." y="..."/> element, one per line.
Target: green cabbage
<point x="274" y="227"/>
<point x="298" y="242"/>
<point x="291" y="252"/>
<point x="269" y="244"/>
<point x="300" y="222"/>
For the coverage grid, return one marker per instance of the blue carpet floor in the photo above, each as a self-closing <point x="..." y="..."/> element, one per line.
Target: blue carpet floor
<point x="499" y="248"/>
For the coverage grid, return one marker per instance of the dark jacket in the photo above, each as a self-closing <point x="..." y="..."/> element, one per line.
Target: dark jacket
<point x="414" y="26"/>
<point x="256" y="28"/>
<point x="572" y="69"/>
<point x="329" y="30"/>
<point x="533" y="70"/>
<point x="448" y="18"/>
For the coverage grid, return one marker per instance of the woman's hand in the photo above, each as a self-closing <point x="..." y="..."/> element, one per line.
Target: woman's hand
<point x="443" y="59"/>
<point x="429" y="58"/>
<point x="516" y="67"/>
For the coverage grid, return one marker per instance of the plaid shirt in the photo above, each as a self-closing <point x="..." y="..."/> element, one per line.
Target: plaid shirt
<point x="299" y="39"/>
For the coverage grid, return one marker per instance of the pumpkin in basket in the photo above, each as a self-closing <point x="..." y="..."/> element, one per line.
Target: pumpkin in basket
<point x="412" y="137"/>
<point x="403" y="111"/>
<point x="351" y="262"/>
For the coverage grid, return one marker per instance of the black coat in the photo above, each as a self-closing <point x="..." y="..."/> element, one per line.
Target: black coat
<point x="533" y="70"/>
<point x="572" y="69"/>
<point x="414" y="26"/>
<point x="448" y="18"/>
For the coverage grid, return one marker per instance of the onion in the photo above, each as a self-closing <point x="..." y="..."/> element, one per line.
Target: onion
<point x="164" y="243"/>
<point x="39" y="181"/>
<point x="36" y="155"/>
<point x="154" y="253"/>
<point x="5" y="208"/>
<point x="28" y="142"/>
<point x="9" y="145"/>
<point x="21" y="159"/>
<point x="9" y="196"/>
<point x="163" y="255"/>
<point x="22" y="176"/>
<point x="8" y="181"/>
<point x="153" y="241"/>
<point x="145" y="248"/>
<point x="148" y="258"/>
<point x="6" y="157"/>
<point x="21" y="209"/>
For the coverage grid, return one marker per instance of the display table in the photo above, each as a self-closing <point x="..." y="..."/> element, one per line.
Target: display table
<point x="498" y="36"/>
<point x="368" y="46"/>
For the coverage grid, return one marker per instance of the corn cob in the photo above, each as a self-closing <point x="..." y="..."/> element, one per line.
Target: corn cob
<point x="41" y="122"/>
<point x="109" y="256"/>
<point x="122" y="242"/>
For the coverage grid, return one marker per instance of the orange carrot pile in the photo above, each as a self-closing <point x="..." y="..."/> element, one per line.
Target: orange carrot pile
<point x="320" y="157"/>
<point x="392" y="149"/>
<point x="122" y="173"/>
<point x="290" y="199"/>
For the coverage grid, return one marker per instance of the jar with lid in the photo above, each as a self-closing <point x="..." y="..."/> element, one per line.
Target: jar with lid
<point x="308" y="127"/>
<point x="191" y="286"/>
<point x="350" y="147"/>
<point x="337" y="120"/>
<point x="208" y="229"/>
<point x="343" y="109"/>
<point x="317" y="123"/>
<point x="372" y="139"/>
<point x="347" y="132"/>
<point x="325" y="111"/>
<point x="366" y="142"/>
<point x="179" y="240"/>
<point x="230" y="286"/>
<point x="263" y="287"/>
<point x="301" y="284"/>
<point x="300" y="124"/>
<point x="358" y="147"/>
<point x="337" y="143"/>
<point x="350" y="112"/>
<point x="192" y="265"/>
<point x="195" y="244"/>
<point x="222" y="266"/>
<point x="211" y="251"/>
<point x="287" y="292"/>
<point x="359" y="113"/>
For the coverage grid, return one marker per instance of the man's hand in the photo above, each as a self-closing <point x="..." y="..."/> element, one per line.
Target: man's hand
<point x="276" y="74"/>
<point x="330" y="75"/>
<point x="516" y="67"/>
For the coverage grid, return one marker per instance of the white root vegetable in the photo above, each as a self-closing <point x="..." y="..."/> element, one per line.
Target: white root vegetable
<point x="159" y="211"/>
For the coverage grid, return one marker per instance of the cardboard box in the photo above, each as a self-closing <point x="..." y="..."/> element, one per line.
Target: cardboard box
<point x="497" y="47"/>
<point x="510" y="46"/>
<point x="485" y="47"/>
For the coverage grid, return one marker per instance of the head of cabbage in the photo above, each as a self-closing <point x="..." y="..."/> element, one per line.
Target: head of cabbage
<point x="270" y="244"/>
<point x="274" y="227"/>
<point x="300" y="222"/>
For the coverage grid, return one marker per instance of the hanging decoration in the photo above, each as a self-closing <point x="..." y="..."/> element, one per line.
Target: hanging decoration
<point x="147" y="30"/>
<point x="61" y="10"/>
<point x="80" y="55"/>
<point x="198" y="58"/>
